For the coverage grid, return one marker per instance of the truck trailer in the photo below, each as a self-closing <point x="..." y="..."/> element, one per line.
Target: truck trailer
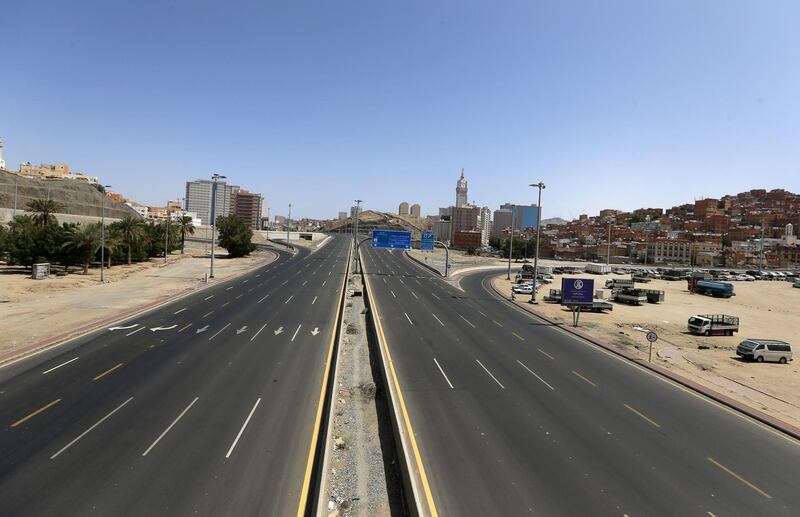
<point x="598" y="269"/>
<point x="713" y="324"/>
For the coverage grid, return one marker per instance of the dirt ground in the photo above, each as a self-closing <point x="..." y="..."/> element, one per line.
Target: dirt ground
<point x="766" y="309"/>
<point x="33" y="310"/>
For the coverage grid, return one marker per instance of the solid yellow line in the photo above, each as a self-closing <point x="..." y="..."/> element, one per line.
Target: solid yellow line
<point x="301" y="507"/>
<point x="425" y="486"/>
<point x="518" y="336"/>
<point x="737" y="476"/>
<point x="584" y="378"/>
<point x="653" y="422"/>
<point x="184" y="328"/>
<point x="108" y="371"/>
<point x="26" y="418"/>
<point x="545" y="353"/>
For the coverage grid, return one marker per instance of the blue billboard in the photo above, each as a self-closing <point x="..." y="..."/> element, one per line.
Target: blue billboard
<point x="577" y="291"/>
<point x="426" y="243"/>
<point x="390" y="239"/>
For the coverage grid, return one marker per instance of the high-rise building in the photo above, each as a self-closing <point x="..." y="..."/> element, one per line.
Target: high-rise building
<point x="198" y="199"/>
<point x="525" y="216"/>
<point x="342" y="215"/>
<point x="464" y="218"/>
<point x="247" y="205"/>
<point x="403" y="209"/>
<point x="461" y="190"/>
<point x="416" y="211"/>
<point x="485" y="225"/>
<point x="502" y="220"/>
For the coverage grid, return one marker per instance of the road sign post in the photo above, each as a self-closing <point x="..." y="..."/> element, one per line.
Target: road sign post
<point x="652" y="337"/>
<point x="576" y="293"/>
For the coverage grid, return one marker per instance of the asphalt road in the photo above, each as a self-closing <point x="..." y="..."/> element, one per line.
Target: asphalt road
<point x="513" y="416"/>
<point x="205" y="406"/>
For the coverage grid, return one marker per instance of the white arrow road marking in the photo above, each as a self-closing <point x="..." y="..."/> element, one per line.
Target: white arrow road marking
<point x="280" y="329"/>
<point x="135" y="331"/>
<point x="296" y="331"/>
<point x="220" y="330"/>
<point x="315" y="331"/>
<point x="259" y="332"/>
<point x="198" y="331"/>
<point x="154" y="329"/>
<point x="239" y="331"/>
<point x="124" y="328"/>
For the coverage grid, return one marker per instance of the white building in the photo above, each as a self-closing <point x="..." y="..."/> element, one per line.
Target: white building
<point x="485" y="225"/>
<point x="2" y="161"/>
<point x="140" y="209"/>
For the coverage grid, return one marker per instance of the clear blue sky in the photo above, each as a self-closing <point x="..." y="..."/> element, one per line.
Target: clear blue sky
<point x="611" y="104"/>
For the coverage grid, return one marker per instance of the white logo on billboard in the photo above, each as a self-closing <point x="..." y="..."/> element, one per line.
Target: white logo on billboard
<point x="578" y="284"/>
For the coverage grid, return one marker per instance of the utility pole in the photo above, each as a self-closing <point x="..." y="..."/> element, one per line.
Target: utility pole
<point x="267" y="225"/>
<point x="511" y="243"/>
<point x="102" y="231"/>
<point x="216" y="177"/>
<point x="15" y="196"/>
<point x="540" y="186"/>
<point x="166" y="238"/>
<point x="355" y="240"/>
<point x="608" y="255"/>
<point x="288" y="224"/>
<point x="761" y="248"/>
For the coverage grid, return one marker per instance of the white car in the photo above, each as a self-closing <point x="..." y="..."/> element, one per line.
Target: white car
<point x="744" y="278"/>
<point x="523" y="289"/>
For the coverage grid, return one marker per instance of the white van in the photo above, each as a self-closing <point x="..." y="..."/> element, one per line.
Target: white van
<point x="761" y="350"/>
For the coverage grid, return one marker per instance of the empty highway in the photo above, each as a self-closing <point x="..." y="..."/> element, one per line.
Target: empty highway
<point x="512" y="416"/>
<point x="208" y="405"/>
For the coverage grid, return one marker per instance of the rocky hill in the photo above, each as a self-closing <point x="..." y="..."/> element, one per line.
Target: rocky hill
<point x="78" y="197"/>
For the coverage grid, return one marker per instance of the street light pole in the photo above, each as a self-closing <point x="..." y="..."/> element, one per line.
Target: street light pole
<point x="214" y="177"/>
<point x="267" y="225"/>
<point x="166" y="237"/>
<point x="540" y="186"/>
<point x="15" y="196"/>
<point x="288" y="224"/>
<point x="608" y="256"/>
<point x="511" y="244"/>
<point x="355" y="241"/>
<point x="102" y="231"/>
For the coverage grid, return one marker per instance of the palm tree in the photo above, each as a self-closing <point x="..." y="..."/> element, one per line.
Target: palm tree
<point x="85" y="241"/>
<point x="185" y="225"/>
<point x="113" y="241"/>
<point x="131" y="230"/>
<point x="43" y="210"/>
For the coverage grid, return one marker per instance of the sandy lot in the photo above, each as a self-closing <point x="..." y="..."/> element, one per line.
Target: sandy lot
<point x="33" y="310"/>
<point x="765" y="309"/>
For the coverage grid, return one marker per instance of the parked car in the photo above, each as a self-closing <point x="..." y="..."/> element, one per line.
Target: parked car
<point x="744" y="278"/>
<point x="761" y="350"/>
<point x="796" y="283"/>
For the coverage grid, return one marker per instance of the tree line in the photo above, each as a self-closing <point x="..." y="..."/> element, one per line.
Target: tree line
<point x="38" y="237"/>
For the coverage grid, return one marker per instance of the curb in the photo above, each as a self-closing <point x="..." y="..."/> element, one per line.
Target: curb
<point x="423" y="264"/>
<point x="740" y="407"/>
<point x="87" y="328"/>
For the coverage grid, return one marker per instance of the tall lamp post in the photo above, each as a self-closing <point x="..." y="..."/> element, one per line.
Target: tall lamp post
<point x="540" y="186"/>
<point x="216" y="177"/>
<point x="608" y="253"/>
<point x="511" y="244"/>
<point x="267" y="225"/>
<point x="102" y="232"/>
<point x="355" y="231"/>
<point x="288" y="224"/>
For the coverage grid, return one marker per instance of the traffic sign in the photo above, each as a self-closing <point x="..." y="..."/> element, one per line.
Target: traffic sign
<point x="391" y="239"/>
<point x="427" y="241"/>
<point x="577" y="291"/>
<point x="652" y="336"/>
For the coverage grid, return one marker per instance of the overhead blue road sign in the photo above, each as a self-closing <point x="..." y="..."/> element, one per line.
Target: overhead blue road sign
<point x="427" y="241"/>
<point x="390" y="239"/>
<point x="577" y="291"/>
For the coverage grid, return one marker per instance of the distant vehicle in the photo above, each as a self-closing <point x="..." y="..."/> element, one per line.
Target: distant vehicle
<point x="796" y="283"/>
<point x="617" y="283"/>
<point x="761" y="350"/>
<point x="713" y="324"/>
<point x="712" y="288"/>
<point x="632" y="296"/>
<point x="598" y="269"/>
<point x="744" y="278"/>
<point x="675" y="274"/>
<point x="597" y="306"/>
<point x="619" y="272"/>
